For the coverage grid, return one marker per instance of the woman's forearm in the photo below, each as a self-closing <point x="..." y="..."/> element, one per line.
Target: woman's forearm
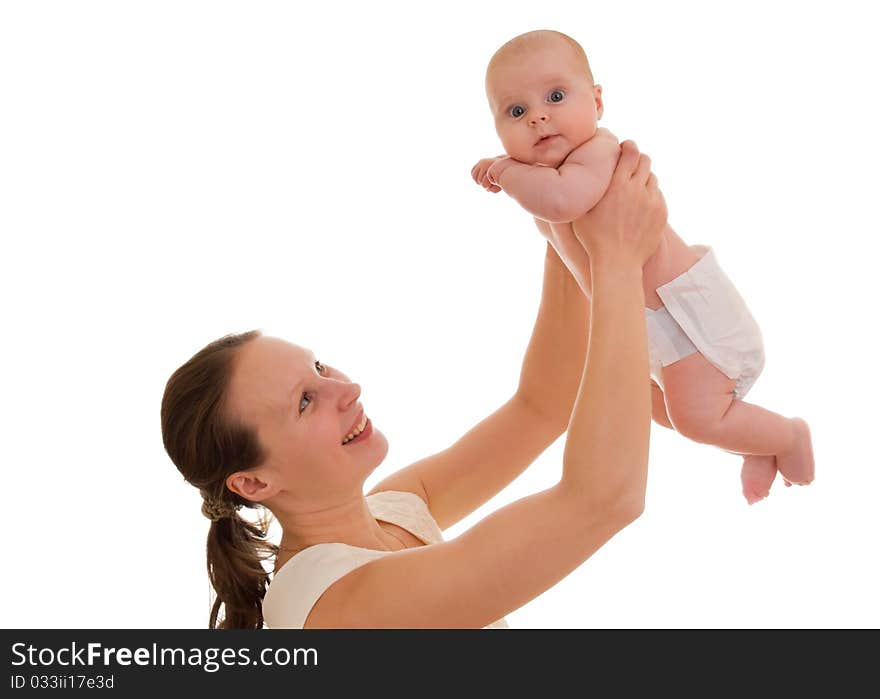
<point x="606" y="450"/>
<point x="554" y="359"/>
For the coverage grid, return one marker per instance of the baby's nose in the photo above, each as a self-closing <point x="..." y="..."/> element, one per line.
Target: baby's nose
<point x="540" y="118"/>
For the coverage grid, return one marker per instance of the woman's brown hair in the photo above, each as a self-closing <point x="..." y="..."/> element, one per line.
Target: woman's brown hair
<point x="207" y="446"/>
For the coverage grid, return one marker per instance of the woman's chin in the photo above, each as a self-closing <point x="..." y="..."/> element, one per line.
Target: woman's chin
<point x="372" y="450"/>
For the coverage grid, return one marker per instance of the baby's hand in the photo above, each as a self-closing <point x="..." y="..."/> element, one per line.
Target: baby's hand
<point x="480" y="173"/>
<point x="498" y="167"/>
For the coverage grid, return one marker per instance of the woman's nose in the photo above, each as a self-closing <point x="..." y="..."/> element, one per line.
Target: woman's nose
<point x="349" y="394"/>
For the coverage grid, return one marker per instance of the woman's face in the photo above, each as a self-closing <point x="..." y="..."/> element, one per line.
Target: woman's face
<point x="302" y="410"/>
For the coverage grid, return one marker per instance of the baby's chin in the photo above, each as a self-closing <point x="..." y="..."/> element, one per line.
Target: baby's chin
<point x="531" y="159"/>
<point x="550" y="163"/>
<point x="554" y="158"/>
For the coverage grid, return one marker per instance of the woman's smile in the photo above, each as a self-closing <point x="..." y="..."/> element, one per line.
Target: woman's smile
<point x="364" y="433"/>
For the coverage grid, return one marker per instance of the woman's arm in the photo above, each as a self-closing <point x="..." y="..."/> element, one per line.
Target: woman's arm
<point x="554" y="359"/>
<point x="521" y="550"/>
<point x="459" y="479"/>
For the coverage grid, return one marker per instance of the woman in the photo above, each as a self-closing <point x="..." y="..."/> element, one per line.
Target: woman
<point x="253" y="420"/>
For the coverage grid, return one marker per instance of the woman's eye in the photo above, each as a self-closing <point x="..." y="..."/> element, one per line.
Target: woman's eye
<point x="517" y="111"/>
<point x="309" y="397"/>
<point x="557" y="96"/>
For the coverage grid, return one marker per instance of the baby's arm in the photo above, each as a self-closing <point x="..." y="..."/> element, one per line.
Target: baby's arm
<point x="563" y="194"/>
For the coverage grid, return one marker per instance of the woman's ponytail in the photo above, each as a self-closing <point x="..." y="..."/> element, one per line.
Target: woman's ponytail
<point x="236" y="550"/>
<point x="207" y="447"/>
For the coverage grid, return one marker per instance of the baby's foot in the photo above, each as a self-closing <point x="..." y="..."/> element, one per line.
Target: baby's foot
<point x="758" y="473"/>
<point x="796" y="465"/>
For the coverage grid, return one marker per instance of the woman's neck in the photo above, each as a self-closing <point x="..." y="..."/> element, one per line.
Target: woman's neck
<point x="347" y="521"/>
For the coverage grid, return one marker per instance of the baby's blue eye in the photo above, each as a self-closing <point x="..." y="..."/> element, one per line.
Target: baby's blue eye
<point x="557" y="96"/>
<point x="517" y="111"/>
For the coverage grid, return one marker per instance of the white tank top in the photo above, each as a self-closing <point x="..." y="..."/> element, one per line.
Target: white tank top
<point x="303" y="579"/>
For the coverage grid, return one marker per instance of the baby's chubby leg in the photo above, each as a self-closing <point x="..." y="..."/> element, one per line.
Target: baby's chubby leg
<point x="758" y="471"/>
<point x="701" y="406"/>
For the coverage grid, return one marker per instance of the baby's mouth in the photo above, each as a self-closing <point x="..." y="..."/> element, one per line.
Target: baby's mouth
<point x="545" y="139"/>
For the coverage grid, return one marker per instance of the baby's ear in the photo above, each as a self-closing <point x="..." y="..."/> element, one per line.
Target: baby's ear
<point x="600" y="106"/>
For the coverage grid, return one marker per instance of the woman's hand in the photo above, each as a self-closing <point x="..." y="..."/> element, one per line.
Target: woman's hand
<point x="626" y="224"/>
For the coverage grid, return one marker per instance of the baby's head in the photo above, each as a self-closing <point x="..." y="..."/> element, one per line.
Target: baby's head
<point x="539" y="84"/>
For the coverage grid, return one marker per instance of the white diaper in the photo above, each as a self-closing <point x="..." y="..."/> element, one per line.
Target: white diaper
<point x="703" y="312"/>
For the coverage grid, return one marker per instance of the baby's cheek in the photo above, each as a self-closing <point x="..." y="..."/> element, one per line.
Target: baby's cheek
<point x="513" y="146"/>
<point x="523" y="153"/>
<point x="587" y="128"/>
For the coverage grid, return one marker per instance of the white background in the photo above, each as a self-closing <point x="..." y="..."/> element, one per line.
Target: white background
<point x="174" y="171"/>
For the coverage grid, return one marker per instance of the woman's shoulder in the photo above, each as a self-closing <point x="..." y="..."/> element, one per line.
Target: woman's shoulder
<point x="299" y="583"/>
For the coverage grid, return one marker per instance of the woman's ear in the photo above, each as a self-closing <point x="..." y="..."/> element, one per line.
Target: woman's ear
<point x="250" y="486"/>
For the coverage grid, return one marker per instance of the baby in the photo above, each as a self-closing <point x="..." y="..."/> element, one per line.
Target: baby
<point x="705" y="348"/>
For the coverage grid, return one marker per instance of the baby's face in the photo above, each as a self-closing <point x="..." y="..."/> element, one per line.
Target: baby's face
<point x="539" y="94"/>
